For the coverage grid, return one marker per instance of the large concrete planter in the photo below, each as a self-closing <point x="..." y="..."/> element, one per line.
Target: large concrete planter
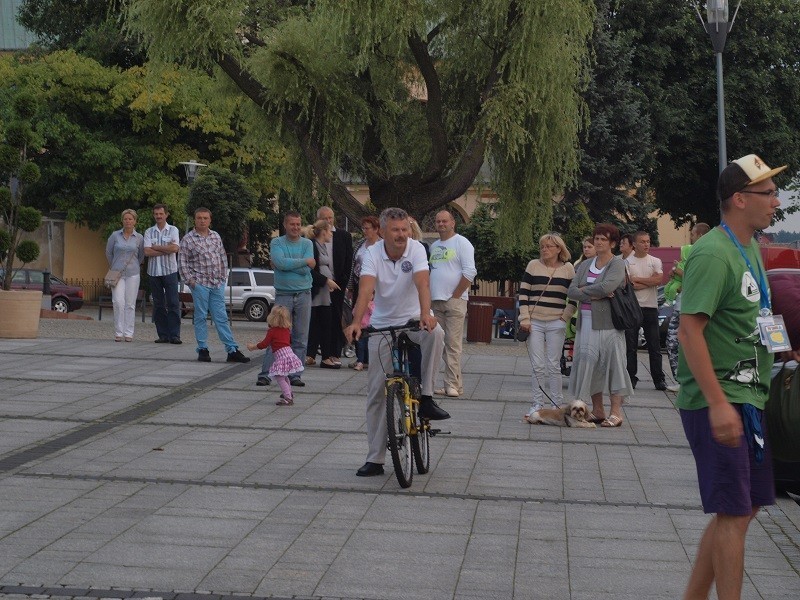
<point x="19" y="313"/>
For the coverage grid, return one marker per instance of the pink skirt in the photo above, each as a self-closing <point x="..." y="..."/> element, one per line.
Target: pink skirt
<point x="285" y="363"/>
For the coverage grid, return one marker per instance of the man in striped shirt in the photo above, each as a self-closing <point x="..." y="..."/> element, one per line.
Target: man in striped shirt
<point x="161" y="247"/>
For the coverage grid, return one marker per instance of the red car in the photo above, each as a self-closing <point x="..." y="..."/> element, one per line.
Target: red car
<point x="65" y="298"/>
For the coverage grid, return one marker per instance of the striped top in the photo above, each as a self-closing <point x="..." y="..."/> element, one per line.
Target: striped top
<point x="164" y="264"/>
<point x="591" y="276"/>
<point x="552" y="298"/>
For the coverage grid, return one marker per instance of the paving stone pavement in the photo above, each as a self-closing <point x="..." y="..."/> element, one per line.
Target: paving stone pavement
<point x="133" y="471"/>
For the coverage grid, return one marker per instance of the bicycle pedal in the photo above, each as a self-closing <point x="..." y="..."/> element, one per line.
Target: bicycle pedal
<point x="434" y="431"/>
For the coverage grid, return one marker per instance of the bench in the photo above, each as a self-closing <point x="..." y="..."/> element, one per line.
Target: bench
<point x="187" y="303"/>
<point x="105" y="302"/>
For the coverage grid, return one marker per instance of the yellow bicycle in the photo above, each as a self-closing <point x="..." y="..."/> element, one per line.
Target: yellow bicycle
<point x="409" y="434"/>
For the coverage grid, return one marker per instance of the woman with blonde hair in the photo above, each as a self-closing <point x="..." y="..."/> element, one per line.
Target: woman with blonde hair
<point x="321" y="333"/>
<point x="125" y="253"/>
<point x="544" y="313"/>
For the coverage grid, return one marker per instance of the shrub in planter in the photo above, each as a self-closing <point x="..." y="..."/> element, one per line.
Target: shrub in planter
<point x="18" y="140"/>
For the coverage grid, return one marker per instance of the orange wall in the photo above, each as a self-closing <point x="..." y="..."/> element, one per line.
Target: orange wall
<point x="84" y="253"/>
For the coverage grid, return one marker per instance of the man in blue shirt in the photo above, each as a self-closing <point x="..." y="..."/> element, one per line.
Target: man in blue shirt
<point x="292" y="258"/>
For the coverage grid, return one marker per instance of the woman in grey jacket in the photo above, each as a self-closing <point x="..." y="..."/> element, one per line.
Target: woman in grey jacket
<point x="600" y="364"/>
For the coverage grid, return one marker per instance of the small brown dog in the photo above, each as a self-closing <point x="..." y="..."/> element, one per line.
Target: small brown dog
<point x="574" y="414"/>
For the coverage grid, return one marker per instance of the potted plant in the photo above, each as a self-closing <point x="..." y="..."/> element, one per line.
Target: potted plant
<point x="19" y="309"/>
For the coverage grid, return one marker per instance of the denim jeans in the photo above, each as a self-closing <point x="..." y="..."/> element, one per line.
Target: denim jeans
<point x="299" y="307"/>
<point x="166" y="306"/>
<point x="208" y="300"/>
<point x="362" y="350"/>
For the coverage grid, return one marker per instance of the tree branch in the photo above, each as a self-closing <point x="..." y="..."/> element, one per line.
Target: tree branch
<point x="311" y="147"/>
<point x="433" y="108"/>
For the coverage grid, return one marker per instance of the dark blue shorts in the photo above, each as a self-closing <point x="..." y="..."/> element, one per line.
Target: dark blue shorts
<point x="731" y="482"/>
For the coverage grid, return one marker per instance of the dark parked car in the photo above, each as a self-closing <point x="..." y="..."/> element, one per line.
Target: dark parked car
<point x="65" y="298"/>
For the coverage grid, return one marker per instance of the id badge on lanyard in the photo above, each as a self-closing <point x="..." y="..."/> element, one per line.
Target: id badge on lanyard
<point x="771" y="328"/>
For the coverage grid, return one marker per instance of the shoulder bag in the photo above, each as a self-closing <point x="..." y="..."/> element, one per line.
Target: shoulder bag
<point x="625" y="310"/>
<point x="113" y="275"/>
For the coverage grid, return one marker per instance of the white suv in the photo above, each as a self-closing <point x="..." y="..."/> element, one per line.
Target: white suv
<point x="250" y="291"/>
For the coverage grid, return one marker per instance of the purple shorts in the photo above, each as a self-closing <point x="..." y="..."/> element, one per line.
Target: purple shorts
<point x="731" y="482"/>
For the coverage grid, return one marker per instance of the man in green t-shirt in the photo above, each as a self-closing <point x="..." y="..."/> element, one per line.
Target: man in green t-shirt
<point x="724" y="372"/>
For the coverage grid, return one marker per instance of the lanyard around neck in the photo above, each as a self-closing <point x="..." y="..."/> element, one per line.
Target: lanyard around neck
<point x="766" y="305"/>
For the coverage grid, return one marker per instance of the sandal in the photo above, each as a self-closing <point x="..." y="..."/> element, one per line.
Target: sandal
<point x="284" y="401"/>
<point x="593" y="419"/>
<point x="612" y="421"/>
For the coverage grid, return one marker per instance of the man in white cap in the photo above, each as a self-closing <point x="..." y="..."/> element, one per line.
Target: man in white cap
<point x="724" y="371"/>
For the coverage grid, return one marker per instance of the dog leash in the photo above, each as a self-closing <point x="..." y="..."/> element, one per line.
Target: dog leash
<point x="539" y="385"/>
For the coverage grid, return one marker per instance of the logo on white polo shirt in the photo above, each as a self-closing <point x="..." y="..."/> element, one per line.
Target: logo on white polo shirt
<point x="406" y="266"/>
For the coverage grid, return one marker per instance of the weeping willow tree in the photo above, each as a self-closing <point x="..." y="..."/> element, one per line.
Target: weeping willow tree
<point x="410" y="97"/>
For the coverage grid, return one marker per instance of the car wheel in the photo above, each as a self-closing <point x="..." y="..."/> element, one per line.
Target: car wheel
<point x="61" y="305"/>
<point x="256" y="310"/>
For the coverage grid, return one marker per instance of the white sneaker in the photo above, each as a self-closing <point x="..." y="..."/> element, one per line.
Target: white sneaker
<point x="675" y="387"/>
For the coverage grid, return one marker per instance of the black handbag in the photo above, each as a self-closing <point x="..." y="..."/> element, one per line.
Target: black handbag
<point x="625" y="310"/>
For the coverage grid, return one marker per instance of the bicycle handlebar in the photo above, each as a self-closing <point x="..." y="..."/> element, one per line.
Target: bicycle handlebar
<point x="412" y="325"/>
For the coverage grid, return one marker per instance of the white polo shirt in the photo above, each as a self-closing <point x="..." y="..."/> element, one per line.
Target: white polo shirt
<point x="396" y="296"/>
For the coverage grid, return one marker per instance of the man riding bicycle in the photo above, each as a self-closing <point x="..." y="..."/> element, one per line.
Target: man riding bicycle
<point x="396" y="270"/>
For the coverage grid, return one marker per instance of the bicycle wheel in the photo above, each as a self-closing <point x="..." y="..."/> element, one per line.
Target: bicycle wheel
<point x="399" y="440"/>
<point x="421" y="447"/>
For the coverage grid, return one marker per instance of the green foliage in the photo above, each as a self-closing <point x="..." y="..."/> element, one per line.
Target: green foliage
<point x="493" y="262"/>
<point x="5" y="243"/>
<point x="572" y="221"/>
<point x="91" y="27"/>
<point x="231" y="200"/>
<point x="25" y="105"/>
<point x="9" y="161"/>
<point x="29" y="173"/>
<point x="114" y="138"/>
<point x="28" y="219"/>
<point x="27" y="251"/>
<point x="342" y="83"/>
<point x="673" y="66"/>
<point x="616" y="150"/>
<point x="19" y="137"/>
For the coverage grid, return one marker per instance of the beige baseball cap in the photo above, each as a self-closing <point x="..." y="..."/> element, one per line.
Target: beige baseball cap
<point x="742" y="172"/>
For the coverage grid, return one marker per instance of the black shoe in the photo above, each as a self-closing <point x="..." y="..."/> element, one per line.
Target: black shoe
<point x="662" y="385"/>
<point x="162" y="341"/>
<point x="237" y="356"/>
<point x="203" y="355"/>
<point x="370" y="470"/>
<point x="297" y="382"/>
<point x="428" y="409"/>
<point x="263" y="381"/>
<point x="634" y="381"/>
<point x="175" y="341"/>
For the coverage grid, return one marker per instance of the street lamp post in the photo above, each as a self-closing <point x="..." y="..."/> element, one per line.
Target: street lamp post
<point x="191" y="167"/>
<point x="718" y="27"/>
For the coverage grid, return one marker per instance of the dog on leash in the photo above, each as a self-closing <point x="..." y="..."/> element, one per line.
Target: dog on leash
<point x="574" y="414"/>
